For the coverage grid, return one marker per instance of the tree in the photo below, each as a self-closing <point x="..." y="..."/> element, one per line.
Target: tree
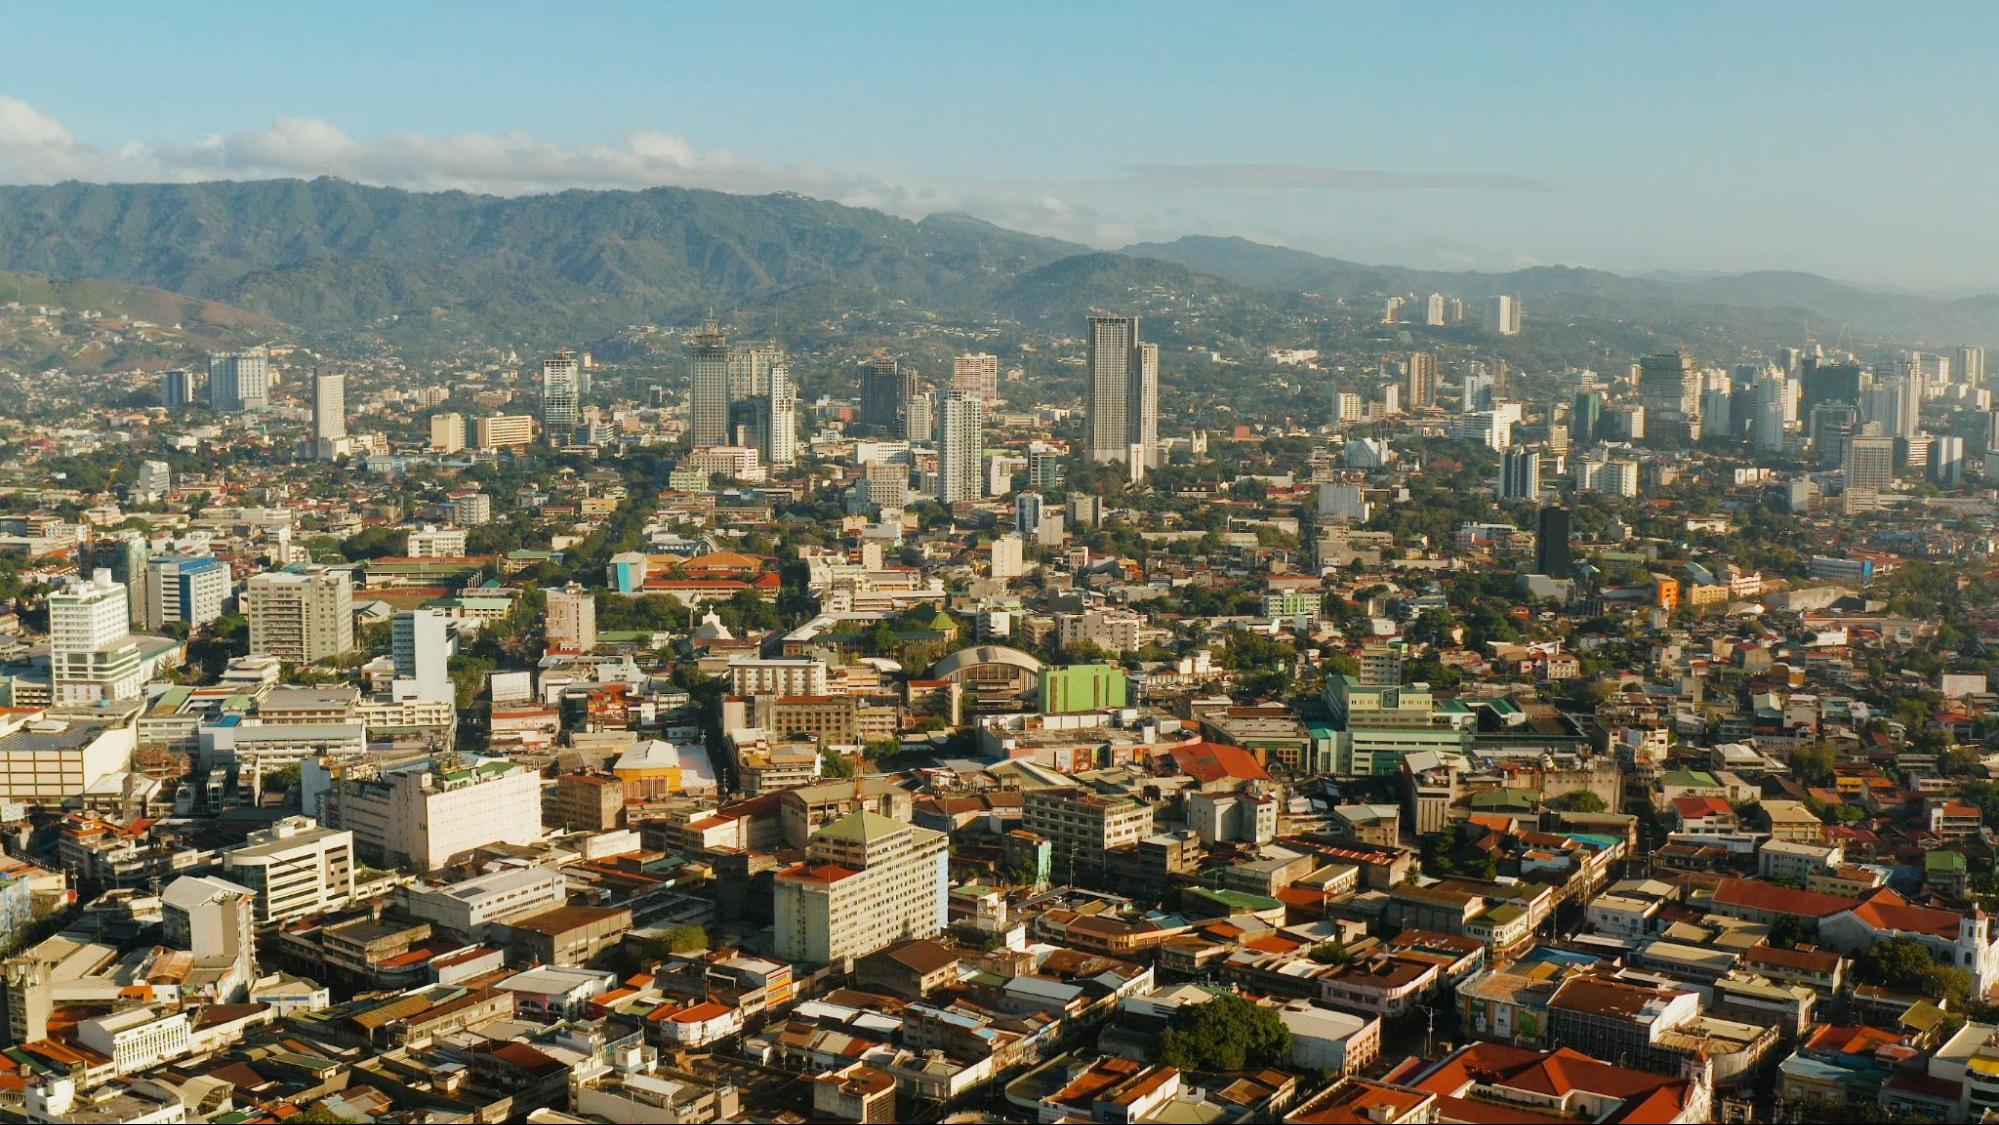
<point x="835" y="765"/>
<point x="1906" y="964"/>
<point x="1226" y="1033"/>
<point x="1580" y="801"/>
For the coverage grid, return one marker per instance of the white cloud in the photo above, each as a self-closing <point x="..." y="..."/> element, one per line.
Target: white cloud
<point x="36" y="148"/>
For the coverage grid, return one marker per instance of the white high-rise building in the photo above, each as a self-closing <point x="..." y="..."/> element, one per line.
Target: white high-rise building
<point x="329" y="413"/>
<point x="708" y="351"/>
<point x="750" y="369"/>
<point x="301" y="617"/>
<point x="193" y="590"/>
<point x="421" y="645"/>
<point x="424" y="815"/>
<point x="1123" y="394"/>
<point x="781" y="437"/>
<point x="295" y="868"/>
<point x="156" y="479"/>
<point x="239" y="381"/>
<point x="1009" y="560"/>
<point x="1770" y="419"/>
<point x="92" y="654"/>
<point x="561" y="394"/>
<point x="1502" y="316"/>
<point x="1433" y="310"/>
<point x="961" y="448"/>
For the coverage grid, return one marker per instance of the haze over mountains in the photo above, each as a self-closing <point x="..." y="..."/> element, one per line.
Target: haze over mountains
<point x="329" y="255"/>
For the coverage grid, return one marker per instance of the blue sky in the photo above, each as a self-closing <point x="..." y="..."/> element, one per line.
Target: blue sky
<point x="1852" y="141"/>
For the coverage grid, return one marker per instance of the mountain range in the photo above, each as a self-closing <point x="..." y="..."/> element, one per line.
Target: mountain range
<point x="331" y="256"/>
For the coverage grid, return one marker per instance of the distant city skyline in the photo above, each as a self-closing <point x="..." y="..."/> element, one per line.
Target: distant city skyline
<point x="1689" y="137"/>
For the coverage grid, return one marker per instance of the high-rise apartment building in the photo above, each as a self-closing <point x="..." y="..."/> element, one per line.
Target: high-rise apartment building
<point x="1971" y="365"/>
<point x="561" y="395"/>
<point x="302" y="616"/>
<point x="1123" y="394"/>
<point x="750" y="370"/>
<point x="92" y="654"/>
<point x="572" y="619"/>
<point x="1870" y="462"/>
<point x="177" y="389"/>
<point x="867" y="882"/>
<point x="1519" y="476"/>
<point x="1422" y="381"/>
<point x="329" y="414"/>
<point x="239" y="381"/>
<point x="780" y="444"/>
<point x="1502" y="316"/>
<point x="1434" y="310"/>
<point x="708" y="352"/>
<point x="976" y="374"/>
<point x="961" y="448"/>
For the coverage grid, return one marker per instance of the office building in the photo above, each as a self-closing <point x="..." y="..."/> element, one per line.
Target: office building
<point x="92" y="653"/>
<point x="193" y="590"/>
<point x="1830" y="381"/>
<point x="1422" y="381"/>
<point x="427" y="814"/>
<point x="155" y="479"/>
<point x="1947" y="461"/>
<point x="885" y="393"/>
<point x="447" y="432"/>
<point x="572" y="619"/>
<point x="1028" y="508"/>
<point x="976" y="374"/>
<point x="295" y="868"/>
<point x="329" y="414"/>
<point x="239" y="381"/>
<point x="1122" y="392"/>
<point x="1870" y="462"/>
<point x="1771" y="416"/>
<point x="561" y="394"/>
<point x="1519" y="476"/>
<point x="1827" y="429"/>
<point x="1586" y="417"/>
<point x="1669" y="386"/>
<point x="867" y="882"/>
<point x="1895" y="404"/>
<point x="420" y="644"/>
<point x="177" y="389"/>
<point x="961" y="449"/>
<point x="1502" y="316"/>
<point x="1083" y="828"/>
<point x="126" y="555"/>
<point x="708" y="355"/>
<point x="503" y="431"/>
<point x="433" y="542"/>
<point x="302" y="617"/>
<point x="1551" y="543"/>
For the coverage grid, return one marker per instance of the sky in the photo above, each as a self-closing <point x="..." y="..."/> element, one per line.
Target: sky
<point x="1847" y="140"/>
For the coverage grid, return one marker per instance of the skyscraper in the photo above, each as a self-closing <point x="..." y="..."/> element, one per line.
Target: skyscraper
<point x="422" y="650"/>
<point x="1519" y="475"/>
<point x="1502" y="316"/>
<point x="961" y="448"/>
<point x="977" y="374"/>
<point x="1433" y="310"/>
<point x="1971" y="365"/>
<point x="1870" y="462"/>
<point x="1551" y="543"/>
<point x="239" y="381"/>
<point x="1769" y="419"/>
<point x="572" y="619"/>
<point x="329" y="413"/>
<point x="1828" y="381"/>
<point x="885" y="393"/>
<point x="447" y="432"/>
<point x="1422" y="381"/>
<point x="561" y="395"/>
<point x="1668" y="383"/>
<point x="1827" y="428"/>
<point x="1586" y="417"/>
<point x="750" y="368"/>
<point x="1122" y="394"/>
<point x="177" y="389"/>
<point x="708" y="350"/>
<point x="780" y="448"/>
<point x="918" y="423"/>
